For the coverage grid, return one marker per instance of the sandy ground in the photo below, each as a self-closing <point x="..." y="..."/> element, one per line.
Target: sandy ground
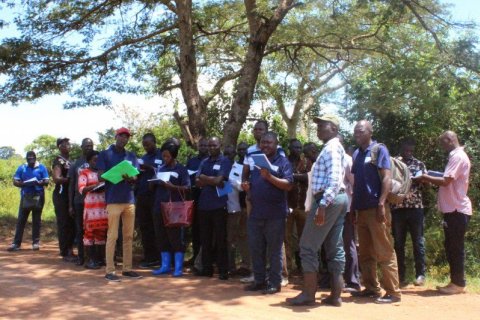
<point x="38" y="285"/>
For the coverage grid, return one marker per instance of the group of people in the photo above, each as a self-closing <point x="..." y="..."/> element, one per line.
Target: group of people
<point x="298" y="213"/>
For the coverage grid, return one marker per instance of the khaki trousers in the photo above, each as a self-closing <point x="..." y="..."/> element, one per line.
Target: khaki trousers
<point x="126" y="212"/>
<point x="376" y="247"/>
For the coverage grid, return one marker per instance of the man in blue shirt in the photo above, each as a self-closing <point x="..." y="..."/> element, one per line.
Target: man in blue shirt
<point x="149" y="164"/>
<point x="212" y="210"/>
<point x="370" y="189"/>
<point x="266" y="223"/>
<point x="120" y="204"/>
<point x="31" y="177"/>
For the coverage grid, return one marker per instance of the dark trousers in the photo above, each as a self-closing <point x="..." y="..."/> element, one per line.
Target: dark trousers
<point x="409" y="220"/>
<point x="168" y="239"/>
<point x="454" y="226"/>
<point x="265" y="240"/>
<point x="143" y="214"/>
<point x="22" y="221"/>
<point x="352" y="273"/>
<point x="65" y="224"/>
<point x="213" y="235"/>
<point x="78" y="208"/>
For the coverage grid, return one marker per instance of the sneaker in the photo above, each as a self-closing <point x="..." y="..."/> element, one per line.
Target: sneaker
<point x="387" y="298"/>
<point x="13" y="247"/>
<point x="451" y="288"/>
<point x="420" y="281"/>
<point x="248" y="279"/>
<point x="284" y="282"/>
<point x="149" y="264"/>
<point x="35" y="246"/>
<point x="131" y="274"/>
<point x="112" y="277"/>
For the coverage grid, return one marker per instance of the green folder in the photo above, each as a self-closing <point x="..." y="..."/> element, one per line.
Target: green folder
<point x="114" y="175"/>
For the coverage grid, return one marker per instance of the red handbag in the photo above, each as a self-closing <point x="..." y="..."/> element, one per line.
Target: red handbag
<point x="177" y="213"/>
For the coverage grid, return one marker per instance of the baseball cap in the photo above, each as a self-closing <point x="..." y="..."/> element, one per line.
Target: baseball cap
<point x="328" y="117"/>
<point x="123" y="130"/>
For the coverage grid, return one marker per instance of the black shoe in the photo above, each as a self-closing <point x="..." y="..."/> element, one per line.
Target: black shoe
<point x="365" y="293"/>
<point x="223" y="276"/>
<point x="255" y="287"/>
<point x="388" y="298"/>
<point x="112" y="277"/>
<point x="243" y="272"/>
<point x="13" y="247"/>
<point x="149" y="264"/>
<point x="131" y="274"/>
<point x="92" y="265"/>
<point x="70" y="259"/>
<point x="271" y="289"/>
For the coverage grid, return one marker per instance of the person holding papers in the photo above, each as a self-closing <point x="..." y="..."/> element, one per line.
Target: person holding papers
<point x="95" y="220"/>
<point x="212" y="210"/>
<point x="31" y="177"/>
<point x="120" y="203"/>
<point x="172" y="185"/>
<point x="270" y="180"/>
<point x="149" y="164"/>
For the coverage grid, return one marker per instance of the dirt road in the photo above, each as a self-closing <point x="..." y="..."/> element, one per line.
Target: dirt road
<point x="38" y="285"/>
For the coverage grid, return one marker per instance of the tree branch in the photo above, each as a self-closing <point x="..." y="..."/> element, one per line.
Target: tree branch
<point x="219" y="85"/>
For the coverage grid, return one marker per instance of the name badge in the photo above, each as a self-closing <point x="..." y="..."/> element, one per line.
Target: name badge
<point x="158" y="161"/>
<point x="216" y="167"/>
<point x="140" y="161"/>
<point x="368" y="159"/>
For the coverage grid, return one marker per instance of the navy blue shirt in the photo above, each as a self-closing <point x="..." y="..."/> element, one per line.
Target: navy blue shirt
<point x="193" y="164"/>
<point x="153" y="159"/>
<point x="367" y="186"/>
<point x="24" y="173"/>
<point x="209" y="199"/>
<point x="179" y="178"/>
<point x="268" y="201"/>
<point x="121" y="192"/>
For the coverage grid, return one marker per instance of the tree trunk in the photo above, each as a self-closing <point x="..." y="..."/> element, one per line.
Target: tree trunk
<point x="187" y="63"/>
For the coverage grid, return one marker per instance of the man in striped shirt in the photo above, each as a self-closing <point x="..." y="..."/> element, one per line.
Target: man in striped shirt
<point x="324" y="223"/>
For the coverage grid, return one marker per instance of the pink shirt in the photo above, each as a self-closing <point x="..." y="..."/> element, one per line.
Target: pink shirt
<point x="454" y="196"/>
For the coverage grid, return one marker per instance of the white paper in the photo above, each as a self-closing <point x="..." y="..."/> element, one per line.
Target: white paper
<point x="34" y="179"/>
<point x="162" y="176"/>
<point x="191" y="172"/>
<point x="174" y="174"/>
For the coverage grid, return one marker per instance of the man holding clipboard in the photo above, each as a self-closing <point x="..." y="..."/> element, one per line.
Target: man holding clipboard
<point x="120" y="203"/>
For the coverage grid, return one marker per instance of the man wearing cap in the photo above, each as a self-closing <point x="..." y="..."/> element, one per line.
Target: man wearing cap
<point x="31" y="177"/>
<point x="374" y="221"/>
<point x="65" y="222"/>
<point x="324" y="223"/>
<point x="120" y="204"/>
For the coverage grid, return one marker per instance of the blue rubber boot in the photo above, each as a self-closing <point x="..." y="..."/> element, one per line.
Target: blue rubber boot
<point x="178" y="272"/>
<point x="165" y="267"/>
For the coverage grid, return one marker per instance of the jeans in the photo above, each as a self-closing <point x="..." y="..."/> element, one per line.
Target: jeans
<point x="265" y="240"/>
<point x="144" y="216"/>
<point x="22" y="221"/>
<point x="329" y="234"/>
<point x="454" y="226"/>
<point x="409" y="220"/>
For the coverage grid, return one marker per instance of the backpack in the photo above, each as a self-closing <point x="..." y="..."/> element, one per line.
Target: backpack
<point x="401" y="181"/>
